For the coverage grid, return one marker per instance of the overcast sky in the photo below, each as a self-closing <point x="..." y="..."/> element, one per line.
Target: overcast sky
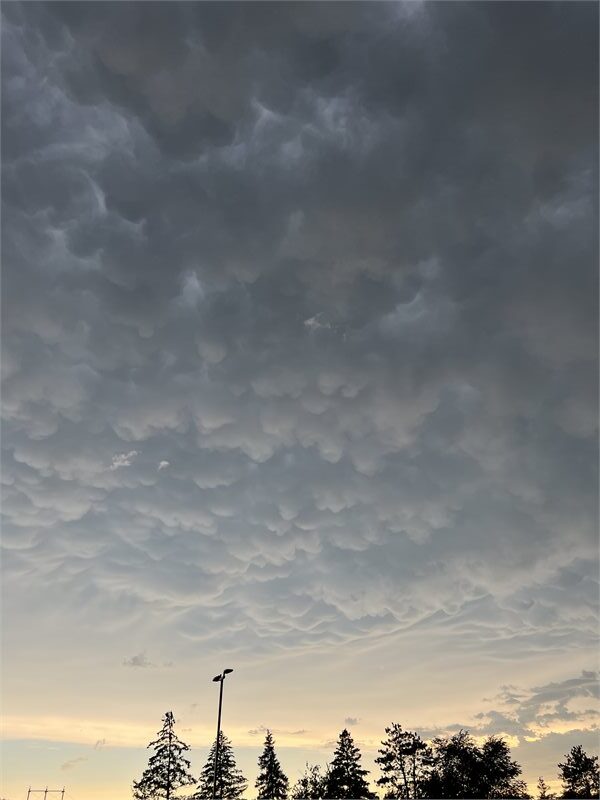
<point x="299" y="353"/>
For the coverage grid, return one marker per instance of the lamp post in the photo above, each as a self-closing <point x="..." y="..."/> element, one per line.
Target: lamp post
<point x="219" y="679"/>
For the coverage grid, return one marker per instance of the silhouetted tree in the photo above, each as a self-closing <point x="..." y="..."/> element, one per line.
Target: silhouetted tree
<point x="271" y="782"/>
<point x="579" y="774"/>
<point x="405" y="761"/>
<point x="499" y="773"/>
<point x="231" y="784"/>
<point x="544" y="792"/>
<point x="142" y="789"/>
<point x="346" y="778"/>
<point x="462" y="770"/>
<point x="311" y="785"/>
<point x="168" y="769"/>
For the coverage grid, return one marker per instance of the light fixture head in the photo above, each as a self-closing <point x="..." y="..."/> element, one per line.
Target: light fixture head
<point x="217" y="678"/>
<point x="227" y="671"/>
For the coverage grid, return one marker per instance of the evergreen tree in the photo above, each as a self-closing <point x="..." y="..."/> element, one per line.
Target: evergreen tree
<point x="579" y="774"/>
<point x="544" y="792"/>
<point x="231" y="784"/>
<point x="271" y="782"/>
<point x="346" y="777"/>
<point x="142" y="789"/>
<point x="168" y="769"/>
<point x="311" y="785"/>
<point x="404" y="762"/>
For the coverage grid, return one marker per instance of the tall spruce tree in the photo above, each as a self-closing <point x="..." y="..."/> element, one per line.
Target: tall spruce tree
<point x="346" y="778"/>
<point x="168" y="769"/>
<point x="231" y="784"/>
<point x="404" y="761"/>
<point x="580" y="774"/>
<point x="271" y="782"/>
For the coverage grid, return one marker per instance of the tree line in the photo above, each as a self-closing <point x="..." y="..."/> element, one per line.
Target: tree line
<point x="447" y="767"/>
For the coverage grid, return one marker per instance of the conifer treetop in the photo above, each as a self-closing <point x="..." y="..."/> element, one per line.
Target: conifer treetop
<point x="346" y="778"/>
<point x="231" y="784"/>
<point x="271" y="783"/>
<point x="168" y="769"/>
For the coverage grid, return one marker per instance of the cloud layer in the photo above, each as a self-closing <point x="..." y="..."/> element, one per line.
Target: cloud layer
<point x="299" y="325"/>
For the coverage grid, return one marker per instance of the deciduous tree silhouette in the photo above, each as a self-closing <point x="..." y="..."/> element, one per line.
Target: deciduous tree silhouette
<point x="231" y="784"/>
<point x="311" y="785"/>
<point x="544" y="792"/>
<point x="271" y="782"/>
<point x="462" y="770"/>
<point x="579" y="774"/>
<point x="405" y="762"/>
<point x="168" y="769"/>
<point x="346" y="778"/>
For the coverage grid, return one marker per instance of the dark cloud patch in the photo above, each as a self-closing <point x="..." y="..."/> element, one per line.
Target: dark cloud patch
<point x="72" y="763"/>
<point x="335" y="266"/>
<point x="531" y="715"/>
<point x="262" y="730"/>
<point x="140" y="661"/>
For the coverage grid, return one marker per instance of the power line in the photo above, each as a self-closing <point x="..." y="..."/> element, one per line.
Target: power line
<point x="46" y="792"/>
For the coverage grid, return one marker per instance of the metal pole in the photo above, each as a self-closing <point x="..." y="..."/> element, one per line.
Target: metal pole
<point x="218" y="735"/>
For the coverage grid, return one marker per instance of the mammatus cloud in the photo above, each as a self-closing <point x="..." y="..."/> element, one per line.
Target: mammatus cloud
<point x="337" y="269"/>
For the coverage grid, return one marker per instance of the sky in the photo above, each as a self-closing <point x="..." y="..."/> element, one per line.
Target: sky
<point x="299" y="361"/>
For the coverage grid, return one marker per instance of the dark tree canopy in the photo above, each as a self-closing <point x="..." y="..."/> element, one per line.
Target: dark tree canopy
<point x="543" y="790"/>
<point x="168" y="769"/>
<point x="231" y="784"/>
<point x="271" y="782"/>
<point x="461" y="769"/>
<point x="404" y="761"/>
<point x="579" y="774"/>
<point x="311" y="785"/>
<point x="346" y="778"/>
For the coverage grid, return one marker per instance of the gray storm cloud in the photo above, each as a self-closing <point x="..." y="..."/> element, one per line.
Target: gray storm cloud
<point x="332" y="265"/>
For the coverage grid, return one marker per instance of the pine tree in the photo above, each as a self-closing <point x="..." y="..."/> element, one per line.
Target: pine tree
<point x="346" y="777"/>
<point x="168" y="769"/>
<point x="404" y="763"/>
<point x="544" y="792"/>
<point x="311" y="785"/>
<point x="231" y="784"/>
<point x="580" y="774"/>
<point x="271" y="782"/>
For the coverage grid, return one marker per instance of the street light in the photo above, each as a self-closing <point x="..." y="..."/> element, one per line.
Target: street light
<point x="219" y="679"/>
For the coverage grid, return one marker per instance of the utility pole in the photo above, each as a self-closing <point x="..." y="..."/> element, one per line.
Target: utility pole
<point x="46" y="792"/>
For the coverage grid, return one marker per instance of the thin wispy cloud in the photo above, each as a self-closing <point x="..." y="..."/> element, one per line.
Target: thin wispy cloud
<point x="74" y="762"/>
